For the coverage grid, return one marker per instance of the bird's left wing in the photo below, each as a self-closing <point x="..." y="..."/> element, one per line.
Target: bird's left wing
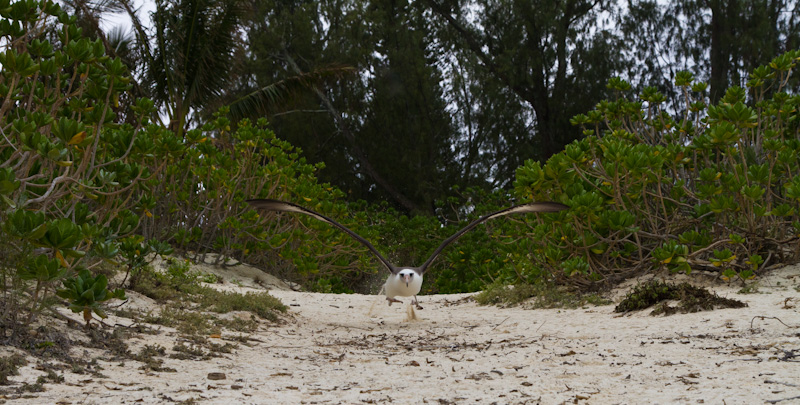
<point x="547" y="206"/>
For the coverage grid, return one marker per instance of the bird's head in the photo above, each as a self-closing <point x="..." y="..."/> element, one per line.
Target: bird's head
<point x="407" y="275"/>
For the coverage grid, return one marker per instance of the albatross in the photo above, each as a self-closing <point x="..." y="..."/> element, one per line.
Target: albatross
<point x="404" y="281"/>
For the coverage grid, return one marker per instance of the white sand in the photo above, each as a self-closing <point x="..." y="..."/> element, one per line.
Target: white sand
<point x="356" y="349"/>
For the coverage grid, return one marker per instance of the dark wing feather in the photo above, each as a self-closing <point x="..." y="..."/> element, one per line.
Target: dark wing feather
<point x="276" y="205"/>
<point x="519" y="209"/>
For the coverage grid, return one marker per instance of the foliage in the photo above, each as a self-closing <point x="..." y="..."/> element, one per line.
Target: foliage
<point x="136" y="252"/>
<point x="86" y="292"/>
<point x="191" y="58"/>
<point x="553" y="56"/>
<point x="180" y="284"/>
<point x="197" y="202"/>
<point x="357" y="124"/>
<point x="713" y="187"/>
<point x="480" y="256"/>
<point x="69" y="172"/>
<point x="86" y="178"/>
<point x="78" y="187"/>
<point x="174" y="283"/>
<point x="262" y="304"/>
<point x="483" y="255"/>
<point x="467" y="89"/>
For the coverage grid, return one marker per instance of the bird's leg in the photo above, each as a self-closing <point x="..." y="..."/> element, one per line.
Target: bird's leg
<point x="417" y="303"/>
<point x="391" y="300"/>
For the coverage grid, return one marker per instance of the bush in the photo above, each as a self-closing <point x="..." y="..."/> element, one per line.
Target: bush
<point x="262" y="304"/>
<point x="481" y="256"/>
<point x="70" y="172"/>
<point x="197" y="203"/>
<point x="712" y="187"/>
<point x="84" y="178"/>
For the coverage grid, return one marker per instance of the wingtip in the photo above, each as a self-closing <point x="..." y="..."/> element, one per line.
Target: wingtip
<point x="548" y="206"/>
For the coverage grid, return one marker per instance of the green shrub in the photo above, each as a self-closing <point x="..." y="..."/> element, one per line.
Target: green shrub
<point x="477" y="258"/>
<point x="538" y="295"/>
<point x="197" y="204"/>
<point x="70" y="169"/>
<point x="480" y="256"/>
<point x="262" y="304"/>
<point x="712" y="187"/>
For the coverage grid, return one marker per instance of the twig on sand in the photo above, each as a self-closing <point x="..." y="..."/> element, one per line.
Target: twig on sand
<point x="780" y="382"/>
<point x="501" y="322"/>
<point x="730" y="361"/>
<point x="288" y="347"/>
<point x="769" y="317"/>
<point x="775" y="401"/>
<point x="338" y="325"/>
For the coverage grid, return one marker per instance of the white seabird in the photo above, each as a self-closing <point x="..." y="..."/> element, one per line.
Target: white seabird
<point x="404" y="281"/>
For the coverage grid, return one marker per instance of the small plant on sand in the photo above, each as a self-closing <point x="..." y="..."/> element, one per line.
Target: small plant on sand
<point x="149" y="356"/>
<point x="86" y="292"/>
<point x="537" y="295"/>
<point x="262" y="304"/>
<point x="138" y="255"/>
<point x="10" y="366"/>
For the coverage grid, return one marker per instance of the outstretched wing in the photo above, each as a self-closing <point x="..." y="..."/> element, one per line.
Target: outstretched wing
<point x="276" y="205"/>
<point x="519" y="209"/>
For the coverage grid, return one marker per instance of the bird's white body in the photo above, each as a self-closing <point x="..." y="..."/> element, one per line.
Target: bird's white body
<point x="406" y="283"/>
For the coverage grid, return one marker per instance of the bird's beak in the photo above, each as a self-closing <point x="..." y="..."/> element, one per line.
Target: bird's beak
<point x="408" y="279"/>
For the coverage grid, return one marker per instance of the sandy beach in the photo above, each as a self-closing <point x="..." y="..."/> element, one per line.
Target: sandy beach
<point x="332" y="349"/>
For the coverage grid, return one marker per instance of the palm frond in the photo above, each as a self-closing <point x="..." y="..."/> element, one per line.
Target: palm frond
<point x="210" y="37"/>
<point x="268" y="99"/>
<point x="120" y="41"/>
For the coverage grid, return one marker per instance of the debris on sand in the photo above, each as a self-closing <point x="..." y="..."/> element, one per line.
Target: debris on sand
<point x="659" y="293"/>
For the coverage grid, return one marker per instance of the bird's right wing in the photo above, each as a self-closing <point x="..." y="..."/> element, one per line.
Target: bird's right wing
<point x="283" y="206"/>
<point x="546" y="206"/>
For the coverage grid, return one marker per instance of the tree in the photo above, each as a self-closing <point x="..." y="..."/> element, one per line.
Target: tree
<point x="726" y="39"/>
<point x="384" y="135"/>
<point x="190" y="60"/>
<point x="744" y="35"/>
<point x="495" y="124"/>
<point x="553" y="55"/>
<point x="406" y="123"/>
